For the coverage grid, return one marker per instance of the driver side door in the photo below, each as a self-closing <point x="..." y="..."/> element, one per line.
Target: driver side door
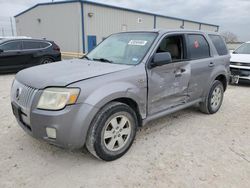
<point x="11" y="58"/>
<point x="168" y="84"/>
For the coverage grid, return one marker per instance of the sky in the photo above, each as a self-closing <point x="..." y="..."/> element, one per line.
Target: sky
<point x="230" y="15"/>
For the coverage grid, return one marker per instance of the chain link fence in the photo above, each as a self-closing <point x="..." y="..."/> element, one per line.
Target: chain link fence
<point x="7" y="26"/>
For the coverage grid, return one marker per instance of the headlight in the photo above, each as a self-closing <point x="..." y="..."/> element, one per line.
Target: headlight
<point x="57" y="98"/>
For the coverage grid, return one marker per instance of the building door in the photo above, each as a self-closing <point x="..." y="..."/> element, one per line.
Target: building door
<point x="91" y="42"/>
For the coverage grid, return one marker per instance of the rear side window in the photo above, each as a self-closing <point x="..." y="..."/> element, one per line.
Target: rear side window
<point x="219" y="44"/>
<point x="11" y="46"/>
<point x="198" y="47"/>
<point x="31" y="45"/>
<point x="44" y="44"/>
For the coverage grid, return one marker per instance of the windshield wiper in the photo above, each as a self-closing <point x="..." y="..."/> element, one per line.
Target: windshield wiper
<point x="103" y="60"/>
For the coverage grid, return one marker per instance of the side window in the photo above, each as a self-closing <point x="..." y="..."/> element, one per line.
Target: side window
<point x="10" y="46"/>
<point x="173" y="45"/>
<point x="28" y="45"/>
<point x="44" y="44"/>
<point x="219" y="44"/>
<point x="198" y="47"/>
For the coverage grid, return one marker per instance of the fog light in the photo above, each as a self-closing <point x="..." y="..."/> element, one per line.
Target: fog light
<point x="51" y="132"/>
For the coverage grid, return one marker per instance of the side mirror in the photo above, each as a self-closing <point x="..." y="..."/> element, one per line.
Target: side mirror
<point x="160" y="59"/>
<point x="1" y="50"/>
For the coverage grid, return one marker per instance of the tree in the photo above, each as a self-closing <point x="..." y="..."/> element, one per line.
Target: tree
<point x="229" y="37"/>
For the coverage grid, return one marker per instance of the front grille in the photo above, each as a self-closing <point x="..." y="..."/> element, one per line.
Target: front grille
<point x="22" y="94"/>
<point x="240" y="64"/>
<point x="240" y="72"/>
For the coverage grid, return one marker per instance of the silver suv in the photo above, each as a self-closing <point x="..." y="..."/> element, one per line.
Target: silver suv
<point x="129" y="79"/>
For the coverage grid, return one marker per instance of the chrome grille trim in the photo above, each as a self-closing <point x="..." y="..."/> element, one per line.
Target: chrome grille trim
<point x="26" y="94"/>
<point x="240" y="64"/>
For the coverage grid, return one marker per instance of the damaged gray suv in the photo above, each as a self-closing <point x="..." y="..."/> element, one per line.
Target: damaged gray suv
<point x="129" y="79"/>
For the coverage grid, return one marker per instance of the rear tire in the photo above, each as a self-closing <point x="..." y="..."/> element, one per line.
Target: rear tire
<point x="112" y="131"/>
<point x="45" y="60"/>
<point x="214" y="98"/>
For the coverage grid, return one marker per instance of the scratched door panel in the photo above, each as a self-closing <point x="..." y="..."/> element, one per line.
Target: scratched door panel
<point x="165" y="89"/>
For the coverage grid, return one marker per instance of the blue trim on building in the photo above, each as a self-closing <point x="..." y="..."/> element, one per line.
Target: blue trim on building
<point x="154" y="21"/>
<point x="111" y="6"/>
<point x="83" y="31"/>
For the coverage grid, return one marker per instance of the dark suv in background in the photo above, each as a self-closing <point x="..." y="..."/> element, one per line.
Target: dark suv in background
<point x="17" y="54"/>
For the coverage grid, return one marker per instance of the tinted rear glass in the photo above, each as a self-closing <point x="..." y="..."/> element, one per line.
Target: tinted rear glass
<point x="198" y="46"/>
<point x="44" y="44"/>
<point x="15" y="45"/>
<point x="219" y="44"/>
<point x="31" y="45"/>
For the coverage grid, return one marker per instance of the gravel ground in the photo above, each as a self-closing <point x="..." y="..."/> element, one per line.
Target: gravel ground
<point x="185" y="149"/>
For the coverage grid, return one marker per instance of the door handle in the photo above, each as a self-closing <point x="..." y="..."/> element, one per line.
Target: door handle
<point x="179" y="72"/>
<point x="211" y="64"/>
<point x="183" y="70"/>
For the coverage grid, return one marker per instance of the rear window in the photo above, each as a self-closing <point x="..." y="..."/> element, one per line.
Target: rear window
<point x="198" y="47"/>
<point x="31" y="45"/>
<point x="219" y="44"/>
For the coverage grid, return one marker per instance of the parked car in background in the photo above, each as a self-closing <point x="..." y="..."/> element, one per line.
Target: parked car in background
<point x="128" y="80"/>
<point x="14" y="37"/>
<point x="21" y="53"/>
<point x="240" y="64"/>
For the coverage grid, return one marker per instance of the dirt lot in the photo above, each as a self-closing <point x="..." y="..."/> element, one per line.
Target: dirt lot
<point x="185" y="149"/>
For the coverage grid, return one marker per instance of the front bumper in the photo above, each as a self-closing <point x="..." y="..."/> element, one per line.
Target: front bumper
<point x="71" y="123"/>
<point x="242" y="72"/>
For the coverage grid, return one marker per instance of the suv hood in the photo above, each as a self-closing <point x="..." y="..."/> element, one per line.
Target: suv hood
<point x="241" y="58"/>
<point x="65" y="72"/>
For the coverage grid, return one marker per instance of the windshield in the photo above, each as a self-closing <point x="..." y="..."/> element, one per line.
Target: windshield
<point x="123" y="48"/>
<point x="243" y="49"/>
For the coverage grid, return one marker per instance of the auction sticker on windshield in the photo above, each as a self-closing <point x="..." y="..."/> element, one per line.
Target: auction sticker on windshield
<point x="137" y="42"/>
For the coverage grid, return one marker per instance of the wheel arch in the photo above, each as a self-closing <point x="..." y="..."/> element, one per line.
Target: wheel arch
<point x="132" y="104"/>
<point x="223" y="79"/>
<point x="125" y="100"/>
<point x="47" y="56"/>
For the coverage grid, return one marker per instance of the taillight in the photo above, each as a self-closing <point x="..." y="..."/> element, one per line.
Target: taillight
<point x="56" y="47"/>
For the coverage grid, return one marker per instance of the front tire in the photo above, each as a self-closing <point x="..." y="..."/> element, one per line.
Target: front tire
<point x="112" y="131"/>
<point x="214" y="98"/>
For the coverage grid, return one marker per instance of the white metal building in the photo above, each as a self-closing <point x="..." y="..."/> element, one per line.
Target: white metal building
<point x="78" y="25"/>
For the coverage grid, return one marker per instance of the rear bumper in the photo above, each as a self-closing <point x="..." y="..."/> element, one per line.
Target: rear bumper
<point x="58" y="57"/>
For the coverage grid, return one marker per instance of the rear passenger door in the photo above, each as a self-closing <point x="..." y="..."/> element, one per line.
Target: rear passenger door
<point x="32" y="52"/>
<point x="202" y="65"/>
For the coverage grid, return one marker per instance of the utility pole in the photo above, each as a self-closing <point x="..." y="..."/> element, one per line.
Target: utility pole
<point x="2" y="31"/>
<point x="12" y="29"/>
